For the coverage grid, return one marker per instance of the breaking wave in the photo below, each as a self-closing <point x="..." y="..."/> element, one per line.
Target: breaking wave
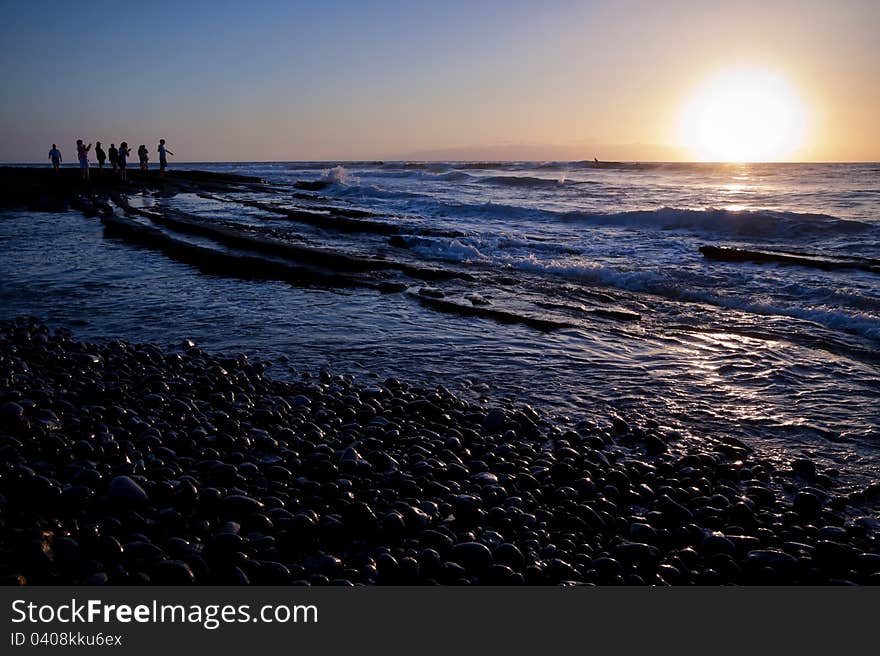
<point x="814" y="305"/>
<point x="339" y="175"/>
<point x="768" y="224"/>
<point x="752" y="223"/>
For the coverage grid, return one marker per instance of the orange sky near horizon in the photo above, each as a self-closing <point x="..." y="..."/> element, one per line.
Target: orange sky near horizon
<point x="560" y="80"/>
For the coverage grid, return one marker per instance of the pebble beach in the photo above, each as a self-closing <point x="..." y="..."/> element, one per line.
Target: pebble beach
<point x="129" y="463"/>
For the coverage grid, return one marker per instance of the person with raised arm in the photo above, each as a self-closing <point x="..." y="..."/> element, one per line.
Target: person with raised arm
<point x="163" y="161"/>
<point x="82" y="151"/>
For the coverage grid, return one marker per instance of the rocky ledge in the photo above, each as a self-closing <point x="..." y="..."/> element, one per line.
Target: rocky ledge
<point x="129" y="464"/>
<point x="45" y="190"/>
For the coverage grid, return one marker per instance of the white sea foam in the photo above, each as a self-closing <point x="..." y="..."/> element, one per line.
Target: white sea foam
<point x="767" y="223"/>
<point x="676" y="286"/>
<point x="671" y="283"/>
<point x="450" y="250"/>
<point x="339" y="175"/>
<point x="638" y="227"/>
<point x="755" y="224"/>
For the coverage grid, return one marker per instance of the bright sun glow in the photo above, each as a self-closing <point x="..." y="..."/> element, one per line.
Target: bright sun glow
<point x="744" y="116"/>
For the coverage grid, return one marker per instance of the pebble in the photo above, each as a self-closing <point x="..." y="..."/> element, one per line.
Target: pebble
<point x="718" y="544"/>
<point x="473" y="556"/>
<point x="495" y="419"/>
<point x="771" y="558"/>
<point x="172" y="572"/>
<point x="11" y="414"/>
<point x="125" y="491"/>
<point x="807" y="505"/>
<point x="139" y="466"/>
<point x="510" y="555"/>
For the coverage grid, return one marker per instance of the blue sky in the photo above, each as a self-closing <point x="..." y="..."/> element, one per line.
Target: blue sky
<point x="339" y="80"/>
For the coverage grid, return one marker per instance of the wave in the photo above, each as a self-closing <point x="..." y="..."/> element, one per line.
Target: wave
<point x="320" y="166"/>
<point x="416" y="166"/>
<point x="306" y="166"/>
<point x="484" y="166"/>
<point x="675" y="287"/>
<point x="339" y="175"/>
<point x="483" y="248"/>
<point x="834" y="296"/>
<point x="815" y="305"/>
<point x="453" y="176"/>
<point x="854" y="322"/>
<point x="405" y="174"/>
<point x="342" y="184"/>
<point x="361" y="191"/>
<point x="530" y="182"/>
<point x="450" y="250"/>
<point x="752" y="223"/>
<point x="757" y="224"/>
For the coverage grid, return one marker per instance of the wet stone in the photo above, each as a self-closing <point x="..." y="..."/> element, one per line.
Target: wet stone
<point x="473" y="556"/>
<point x="771" y="558"/>
<point x="172" y="572"/>
<point x="510" y="555"/>
<point x="804" y="468"/>
<point x="239" y="505"/>
<point x="209" y="471"/>
<point x="807" y="505"/>
<point x="718" y="544"/>
<point x="125" y="491"/>
<point x="495" y="420"/>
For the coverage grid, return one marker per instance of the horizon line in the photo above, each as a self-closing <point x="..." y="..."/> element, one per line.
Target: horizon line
<point x="377" y="160"/>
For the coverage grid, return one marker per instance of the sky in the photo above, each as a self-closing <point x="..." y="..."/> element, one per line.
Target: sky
<point x="341" y="80"/>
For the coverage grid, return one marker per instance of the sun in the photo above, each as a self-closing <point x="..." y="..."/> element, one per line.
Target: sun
<point x="744" y="115"/>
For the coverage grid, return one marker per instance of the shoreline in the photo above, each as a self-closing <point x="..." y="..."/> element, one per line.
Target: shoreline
<point x="237" y="252"/>
<point x="133" y="464"/>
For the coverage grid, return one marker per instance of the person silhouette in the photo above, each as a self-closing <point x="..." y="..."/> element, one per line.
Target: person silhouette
<point x="82" y="151"/>
<point x="124" y="152"/>
<point x="114" y="157"/>
<point x="55" y="156"/>
<point x="163" y="161"/>
<point x="143" y="156"/>
<point x="100" y="155"/>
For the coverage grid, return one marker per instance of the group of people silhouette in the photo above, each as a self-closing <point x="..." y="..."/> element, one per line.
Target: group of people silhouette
<point x="118" y="157"/>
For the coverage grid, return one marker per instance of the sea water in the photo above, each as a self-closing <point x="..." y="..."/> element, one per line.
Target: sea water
<point x="786" y="358"/>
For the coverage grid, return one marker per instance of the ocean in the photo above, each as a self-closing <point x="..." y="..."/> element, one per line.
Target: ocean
<point x="779" y="349"/>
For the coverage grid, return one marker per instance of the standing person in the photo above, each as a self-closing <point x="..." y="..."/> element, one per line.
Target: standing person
<point x="124" y="152"/>
<point x="82" y="151"/>
<point x="163" y="162"/>
<point x="100" y="154"/>
<point x="55" y="156"/>
<point x="114" y="157"/>
<point x="143" y="156"/>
